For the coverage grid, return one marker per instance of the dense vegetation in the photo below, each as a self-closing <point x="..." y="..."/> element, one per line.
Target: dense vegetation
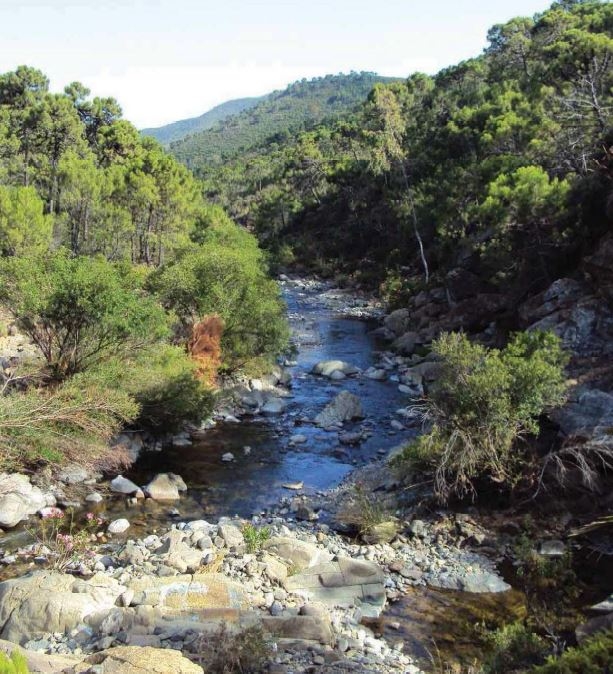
<point x="484" y="402"/>
<point x="500" y="163"/>
<point x="102" y="237"/>
<point x="184" y="127"/>
<point x="276" y="119"/>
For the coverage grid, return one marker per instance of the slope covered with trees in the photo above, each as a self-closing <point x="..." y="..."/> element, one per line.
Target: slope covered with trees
<point x="500" y="164"/>
<point x="277" y="117"/>
<point x="99" y="229"/>
<point x="176" y="130"/>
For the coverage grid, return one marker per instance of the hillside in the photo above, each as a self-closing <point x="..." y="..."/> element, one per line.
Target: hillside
<point x="176" y="130"/>
<point x="280" y="114"/>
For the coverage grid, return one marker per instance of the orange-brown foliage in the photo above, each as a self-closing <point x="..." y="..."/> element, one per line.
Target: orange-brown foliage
<point x="204" y="347"/>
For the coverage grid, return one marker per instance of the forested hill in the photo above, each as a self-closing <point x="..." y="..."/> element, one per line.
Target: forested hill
<point x="498" y="165"/>
<point x="177" y="130"/>
<point x="278" y="116"/>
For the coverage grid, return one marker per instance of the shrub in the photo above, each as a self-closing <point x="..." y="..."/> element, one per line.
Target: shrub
<point x="15" y="664"/>
<point x="73" y="421"/>
<point x="255" y="537"/>
<point x="227" y="277"/>
<point x="593" y="656"/>
<point x="162" y="382"/>
<point x="244" y="652"/>
<point x="484" y="401"/>
<point x="514" y="647"/>
<point x="361" y="511"/>
<point x="24" y="228"/>
<point x="79" y="311"/>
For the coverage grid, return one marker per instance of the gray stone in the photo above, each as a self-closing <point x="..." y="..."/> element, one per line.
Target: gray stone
<point x="122" y="485"/>
<point x="398" y="321"/>
<point x="228" y="457"/>
<point x="94" y="497"/>
<point x="35" y="605"/>
<point x="376" y="374"/>
<point x="299" y="554"/>
<point x="72" y="474"/>
<point x="482" y="582"/>
<point x="274" y="406"/>
<point x="232" y="536"/>
<point x="345" y="407"/>
<point x="405" y="344"/>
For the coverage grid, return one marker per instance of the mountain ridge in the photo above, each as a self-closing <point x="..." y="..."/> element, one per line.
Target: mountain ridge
<point x="167" y="133"/>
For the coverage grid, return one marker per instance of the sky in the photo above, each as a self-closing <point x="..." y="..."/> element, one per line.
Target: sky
<point x="165" y="60"/>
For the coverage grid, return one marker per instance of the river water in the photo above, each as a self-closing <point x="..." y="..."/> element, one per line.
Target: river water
<point x="254" y="481"/>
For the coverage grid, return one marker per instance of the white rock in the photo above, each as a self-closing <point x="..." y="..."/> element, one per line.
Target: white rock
<point x="118" y="526"/>
<point x="227" y="457"/>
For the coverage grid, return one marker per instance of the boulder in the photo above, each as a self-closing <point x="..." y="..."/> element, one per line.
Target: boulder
<point x="345" y="407"/>
<point x="326" y="368"/>
<point x="137" y="660"/>
<point x="166" y="487"/>
<point x="299" y="554"/>
<point x="73" y="474"/>
<point x="273" y="406"/>
<point x="593" y="626"/>
<point x="378" y="374"/>
<point x="405" y="344"/>
<point x="398" y="321"/>
<point x="232" y="536"/>
<point x="46" y="601"/>
<point x="18" y="499"/>
<point x="121" y="485"/>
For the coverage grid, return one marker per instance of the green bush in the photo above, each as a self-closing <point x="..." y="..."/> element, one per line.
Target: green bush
<point x="514" y="647"/>
<point x="15" y="664"/>
<point x="594" y="656"/>
<point x="484" y="401"/>
<point x="255" y="537"/>
<point x="227" y="277"/>
<point x="163" y="384"/>
<point x="79" y="311"/>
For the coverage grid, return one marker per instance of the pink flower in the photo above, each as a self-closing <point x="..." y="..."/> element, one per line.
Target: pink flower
<point x="89" y="516"/>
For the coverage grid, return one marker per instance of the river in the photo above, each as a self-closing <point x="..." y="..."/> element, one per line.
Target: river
<point x="254" y="481"/>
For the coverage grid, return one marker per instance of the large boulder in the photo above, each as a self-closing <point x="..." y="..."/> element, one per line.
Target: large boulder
<point x="45" y="601"/>
<point x="166" y="487"/>
<point x="345" y="407"/>
<point x="299" y="554"/>
<point x="18" y="499"/>
<point x="405" y="344"/>
<point x="137" y="660"/>
<point x="398" y="321"/>
<point x="327" y="368"/>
